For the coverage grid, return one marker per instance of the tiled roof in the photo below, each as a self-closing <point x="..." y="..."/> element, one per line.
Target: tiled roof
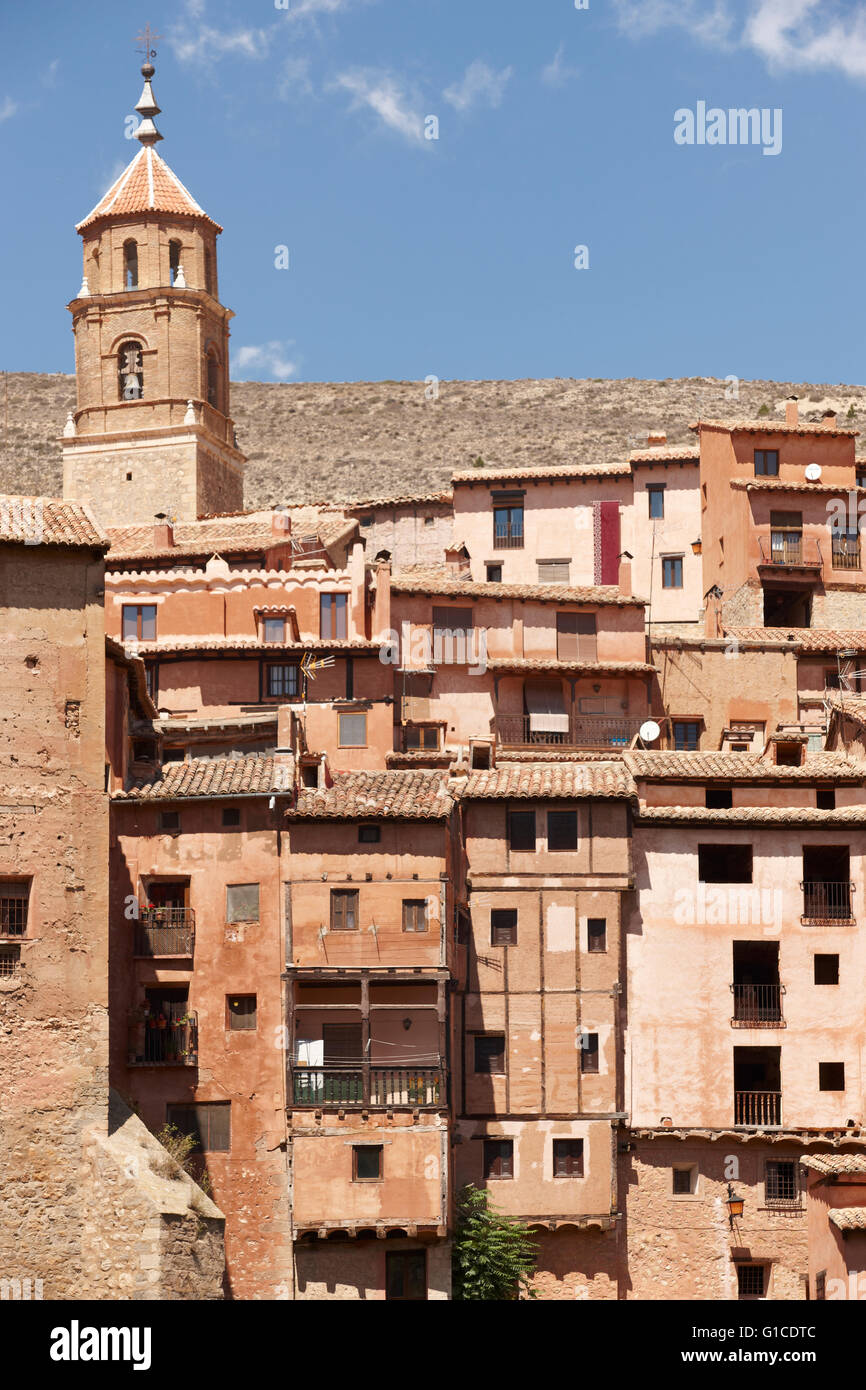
<point x="550" y="780"/>
<point x="169" y="647"/>
<point x="755" y="815"/>
<point x="572" y="471"/>
<point x="848" y="1218"/>
<point x="854" y="706"/>
<point x="48" y="521"/>
<point x="402" y="500"/>
<point x="661" y="453"/>
<point x="401" y="794"/>
<point x="536" y="593"/>
<point x="832" y="1164"/>
<point x="147" y="184"/>
<point x="739" y="767"/>
<point x="250" y="775"/>
<point x="770" y="427"/>
<point x="611" y="668"/>
<point x="193" y="538"/>
<point x="793" y="485"/>
<point x="806" y="639"/>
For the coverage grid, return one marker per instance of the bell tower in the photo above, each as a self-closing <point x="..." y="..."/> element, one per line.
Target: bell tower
<point x="152" y="431"/>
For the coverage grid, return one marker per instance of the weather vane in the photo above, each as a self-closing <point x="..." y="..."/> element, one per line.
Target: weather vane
<point x="148" y="38"/>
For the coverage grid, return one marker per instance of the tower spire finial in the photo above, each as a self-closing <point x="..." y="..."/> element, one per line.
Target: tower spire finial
<point x="147" y="108"/>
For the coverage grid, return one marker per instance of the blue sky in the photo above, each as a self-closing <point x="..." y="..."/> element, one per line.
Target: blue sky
<point x="304" y="126"/>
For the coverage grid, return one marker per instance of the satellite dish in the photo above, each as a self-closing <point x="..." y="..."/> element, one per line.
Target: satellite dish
<point x="813" y="472"/>
<point x="649" y="731"/>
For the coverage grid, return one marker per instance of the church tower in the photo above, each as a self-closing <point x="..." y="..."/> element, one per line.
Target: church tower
<point x="152" y="432"/>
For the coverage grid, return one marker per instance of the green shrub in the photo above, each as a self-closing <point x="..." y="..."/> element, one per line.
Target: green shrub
<point x="493" y="1257"/>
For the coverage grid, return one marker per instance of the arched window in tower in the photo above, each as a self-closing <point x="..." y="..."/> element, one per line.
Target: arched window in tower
<point x="130" y="265"/>
<point x="130" y="371"/>
<point x="213" y="380"/>
<point x="174" y="253"/>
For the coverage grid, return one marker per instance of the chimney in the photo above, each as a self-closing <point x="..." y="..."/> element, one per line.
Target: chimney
<point x="792" y="412"/>
<point x="828" y="419"/>
<point x="656" y="438"/>
<point x="281" y="523"/>
<point x="163" y="531"/>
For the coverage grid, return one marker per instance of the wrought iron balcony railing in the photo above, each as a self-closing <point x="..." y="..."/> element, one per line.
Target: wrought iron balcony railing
<point x="757" y="1006"/>
<point x="757" y="1107"/>
<point x="164" y="931"/>
<point x="159" y="1040"/>
<point x="367" y="1085"/>
<point x="827" y="902"/>
<point x="507" y="540"/>
<point x="579" y="731"/>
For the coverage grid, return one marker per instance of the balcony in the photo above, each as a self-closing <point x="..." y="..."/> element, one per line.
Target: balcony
<point x="826" y="904"/>
<point x="846" y="553"/>
<point x="757" y="1108"/>
<point x="162" y="932"/>
<point x="757" y="1006"/>
<point x="159" y="1040"/>
<point x="368" y="1086"/>
<point x="579" y="731"/>
<point x="789" y="551"/>
<point x="507" y="540"/>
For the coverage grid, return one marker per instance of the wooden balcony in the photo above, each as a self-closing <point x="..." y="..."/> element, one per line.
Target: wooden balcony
<point x="757" y="1006"/>
<point x="790" y="552"/>
<point x="597" y="732"/>
<point x="164" y="932"/>
<point x="157" y="1040"/>
<point x="827" y="904"/>
<point x="368" y="1086"/>
<point x="757" y="1108"/>
<point x="846" y="554"/>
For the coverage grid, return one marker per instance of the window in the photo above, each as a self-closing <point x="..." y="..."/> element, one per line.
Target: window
<point x="684" y="1180"/>
<point x="826" y="970"/>
<point x="780" y="1183"/>
<point x="719" y="798"/>
<point x="333" y="611"/>
<point x="174" y="252"/>
<point x="421" y="738"/>
<point x="687" y="735"/>
<point x="766" y="463"/>
<point x="130" y="265"/>
<point x="490" y="1054"/>
<point x="282" y="681"/>
<point x="14" y="902"/>
<point x="821" y="1286"/>
<point x="750" y="1281"/>
<point x="554" y="571"/>
<point x="452" y="635"/>
<point x="210" y="1124"/>
<point x="494" y="574"/>
<point x="274" y="630"/>
<point x="139" y="622"/>
<point x="310" y="774"/>
<point x="367" y="1162"/>
<point x="231" y="816"/>
<point x="568" y="1158"/>
<point x="831" y="1076"/>
<point x="656" y="501"/>
<point x="589" y="1053"/>
<point x="242" y="902"/>
<point x="414" y="914"/>
<point x="561" y="830"/>
<point x="212" y="376"/>
<point x="789" y="754"/>
<point x="576" y="637"/>
<point x="521" y="830"/>
<point x="498" y="1158"/>
<point x="241" y="1011"/>
<point x="508" y="526"/>
<point x="353" y="730"/>
<point x="845" y="549"/>
<point x="672" y="571"/>
<point x="786" y="538"/>
<point x="406" y="1275"/>
<point x="130" y="372"/>
<point x="10" y="959"/>
<point x="725" y="863"/>
<point x="503" y="926"/>
<point x="825" y="798"/>
<point x="369" y="834"/>
<point x="596" y="934"/>
<point x="169" y="820"/>
<point x="344" y="909"/>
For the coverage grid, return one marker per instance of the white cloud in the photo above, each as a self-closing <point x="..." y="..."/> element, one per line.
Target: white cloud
<point x="295" y="79"/>
<point x="50" y="73"/>
<point x="383" y="94"/>
<point x="271" y="358"/>
<point x="204" y="44"/>
<point x="557" y="72"/>
<point x="8" y="107"/>
<point x="480" y="85"/>
<point x="299" y="9"/>
<point x="710" y="21"/>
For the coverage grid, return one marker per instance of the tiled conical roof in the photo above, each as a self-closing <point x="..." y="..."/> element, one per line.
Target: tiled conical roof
<point x="147" y="185"/>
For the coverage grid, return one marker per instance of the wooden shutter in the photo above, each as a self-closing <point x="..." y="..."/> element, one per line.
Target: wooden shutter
<point x="344" y="910"/>
<point x="576" y="637"/>
<point x="242" y="902"/>
<point x="553" y="571"/>
<point x="414" y="914"/>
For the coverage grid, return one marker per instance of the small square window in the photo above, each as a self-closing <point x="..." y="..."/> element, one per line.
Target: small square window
<point x="826" y="970"/>
<point x="209" y="1123"/>
<point x="139" y="622"/>
<point x="498" y="1158"/>
<point x="415" y="914"/>
<point x="14" y="904"/>
<point x="422" y="738"/>
<point x="406" y="1276"/>
<point x="353" y="730"/>
<point x="568" y="1158"/>
<point x="10" y="959"/>
<point x="750" y="1281"/>
<point x="719" y="798"/>
<point x="369" y="834"/>
<point x="589" y="1053"/>
<point x="825" y="798"/>
<point x="766" y="463"/>
<point x="274" y="630"/>
<point x="242" y="902"/>
<point x="241" y="1010"/>
<point x="596" y="934"/>
<point x="656" y="501"/>
<point x="503" y="926"/>
<point x="684" y="1180"/>
<point x="561" y="830"/>
<point x="231" y="816"/>
<point x="780" y="1183"/>
<point x="169" y="820"/>
<point x="490" y="1054"/>
<point x="831" y="1076"/>
<point x="687" y="735"/>
<point x="494" y="574"/>
<point x="725" y="863"/>
<point x="282" y="681"/>
<point x="344" y="909"/>
<point x="521" y="830"/>
<point x="310" y="774"/>
<point x="672" y="571"/>
<point x="367" y="1162"/>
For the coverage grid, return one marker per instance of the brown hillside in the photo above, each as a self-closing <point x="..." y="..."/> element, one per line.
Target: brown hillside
<point x="309" y="441"/>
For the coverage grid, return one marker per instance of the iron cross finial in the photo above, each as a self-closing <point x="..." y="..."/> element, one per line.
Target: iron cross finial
<point x="148" y="38"/>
